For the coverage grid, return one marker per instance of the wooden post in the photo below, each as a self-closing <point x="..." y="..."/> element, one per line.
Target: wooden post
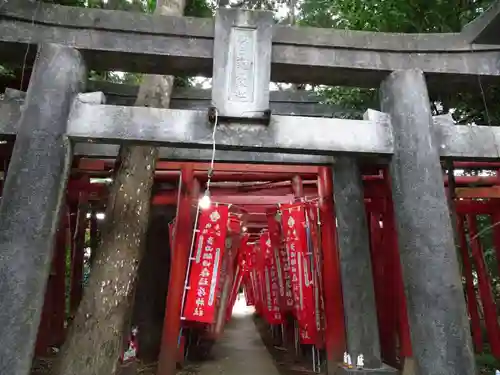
<point x="391" y="239"/>
<point x="180" y="258"/>
<point x="484" y="283"/>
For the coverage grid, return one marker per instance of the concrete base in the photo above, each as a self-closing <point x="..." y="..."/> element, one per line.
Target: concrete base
<point x="385" y="370"/>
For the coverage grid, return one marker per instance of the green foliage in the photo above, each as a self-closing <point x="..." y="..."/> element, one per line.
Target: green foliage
<point x="198" y="8"/>
<point x="414" y="16"/>
<point x="349" y="98"/>
<point x="487" y="363"/>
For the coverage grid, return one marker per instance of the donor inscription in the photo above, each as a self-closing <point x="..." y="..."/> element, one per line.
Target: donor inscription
<point x="242" y="64"/>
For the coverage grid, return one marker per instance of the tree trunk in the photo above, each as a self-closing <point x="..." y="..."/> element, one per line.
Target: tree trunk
<point x="152" y="284"/>
<point x="94" y="340"/>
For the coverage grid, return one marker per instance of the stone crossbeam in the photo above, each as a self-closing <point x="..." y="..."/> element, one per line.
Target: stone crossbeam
<point x="136" y="42"/>
<point x="10" y="112"/>
<point x="190" y="129"/>
<point x="186" y="135"/>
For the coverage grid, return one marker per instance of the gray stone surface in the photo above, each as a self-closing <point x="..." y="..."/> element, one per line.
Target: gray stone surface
<point x="126" y="41"/>
<point x="242" y="64"/>
<point x="439" y="324"/>
<point x="190" y="129"/>
<point x="384" y="370"/>
<point x="356" y="269"/>
<point x="31" y="202"/>
<point x="455" y="141"/>
<point x="486" y="28"/>
<point x="186" y="154"/>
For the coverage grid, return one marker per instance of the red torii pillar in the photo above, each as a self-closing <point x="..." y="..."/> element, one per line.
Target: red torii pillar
<point x="51" y="329"/>
<point x="334" y="309"/>
<point x="178" y="265"/>
<point x="405" y="347"/>
<point x="79" y="225"/>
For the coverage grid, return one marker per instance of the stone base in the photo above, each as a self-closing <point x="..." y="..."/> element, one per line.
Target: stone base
<point x="385" y="370"/>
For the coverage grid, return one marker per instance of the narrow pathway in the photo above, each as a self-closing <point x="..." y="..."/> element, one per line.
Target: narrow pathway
<point x="240" y="350"/>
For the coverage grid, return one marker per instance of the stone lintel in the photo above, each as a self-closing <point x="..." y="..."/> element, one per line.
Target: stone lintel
<point x="114" y="40"/>
<point x="191" y="129"/>
<point x="458" y="142"/>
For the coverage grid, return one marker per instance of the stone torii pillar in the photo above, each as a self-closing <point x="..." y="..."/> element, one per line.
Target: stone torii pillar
<point x="439" y="325"/>
<point x="362" y="334"/>
<point x="32" y="201"/>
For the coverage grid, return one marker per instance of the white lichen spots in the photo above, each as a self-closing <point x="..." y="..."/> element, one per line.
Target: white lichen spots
<point x="148" y="167"/>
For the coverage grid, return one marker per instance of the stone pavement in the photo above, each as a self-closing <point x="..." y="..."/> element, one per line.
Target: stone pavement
<point x="240" y="350"/>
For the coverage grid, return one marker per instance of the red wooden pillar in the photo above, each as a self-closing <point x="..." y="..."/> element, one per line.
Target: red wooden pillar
<point x="405" y="348"/>
<point x="51" y="328"/>
<point x="178" y="266"/>
<point x="469" y="287"/>
<point x="495" y="218"/>
<point x="490" y="313"/>
<point x="334" y="308"/>
<point x="43" y="337"/>
<point x="383" y="274"/>
<point x="59" y="297"/>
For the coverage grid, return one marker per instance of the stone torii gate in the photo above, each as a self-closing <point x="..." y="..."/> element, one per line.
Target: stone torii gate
<point x="243" y="51"/>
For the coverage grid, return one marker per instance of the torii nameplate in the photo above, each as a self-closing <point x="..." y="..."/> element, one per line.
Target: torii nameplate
<point x="242" y="64"/>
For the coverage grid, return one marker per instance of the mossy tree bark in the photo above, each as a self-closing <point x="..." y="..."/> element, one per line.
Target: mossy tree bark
<point x="94" y="341"/>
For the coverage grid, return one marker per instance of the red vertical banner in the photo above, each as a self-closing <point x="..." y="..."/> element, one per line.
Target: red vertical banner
<point x="208" y="253"/>
<point x="255" y="278"/>
<point x="282" y="262"/>
<point x="272" y="311"/>
<point x="316" y="259"/>
<point x="296" y="238"/>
